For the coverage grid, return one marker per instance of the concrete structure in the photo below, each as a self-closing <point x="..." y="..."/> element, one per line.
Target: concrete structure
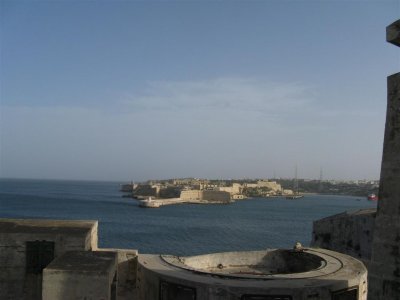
<point x="272" y="185"/>
<point x="369" y="235"/>
<point x="287" y="192"/>
<point x="79" y="275"/>
<point x="271" y="274"/>
<point x="156" y="203"/>
<point x="211" y="196"/>
<point x="191" y="195"/>
<point x="349" y="232"/>
<point x="265" y="188"/>
<point x="28" y="246"/>
<point x="385" y="264"/>
<point x="126" y="270"/>
<point x="216" y="196"/>
<point x="59" y="260"/>
<point x="32" y="251"/>
<point x="235" y="189"/>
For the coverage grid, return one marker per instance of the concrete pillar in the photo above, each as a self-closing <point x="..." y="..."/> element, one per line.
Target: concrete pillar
<point x="384" y="272"/>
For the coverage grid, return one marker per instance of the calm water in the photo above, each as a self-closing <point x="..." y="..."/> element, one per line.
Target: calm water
<point x="178" y="229"/>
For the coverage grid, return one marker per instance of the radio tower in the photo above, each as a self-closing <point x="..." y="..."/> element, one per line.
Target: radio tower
<point x="320" y="180"/>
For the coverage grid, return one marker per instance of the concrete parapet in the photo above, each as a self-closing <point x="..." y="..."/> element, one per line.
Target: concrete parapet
<point x="349" y="232"/>
<point x="270" y="274"/>
<point x="127" y="271"/>
<point x="80" y="275"/>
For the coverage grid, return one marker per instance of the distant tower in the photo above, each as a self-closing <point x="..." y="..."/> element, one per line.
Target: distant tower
<point x="320" y="187"/>
<point x="295" y="182"/>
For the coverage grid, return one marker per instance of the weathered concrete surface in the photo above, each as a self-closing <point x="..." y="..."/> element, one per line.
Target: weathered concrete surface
<point x="349" y="232"/>
<point x="80" y="275"/>
<point x="393" y="33"/>
<point x="339" y="272"/>
<point x="254" y="264"/>
<point x="384" y="275"/>
<point x="15" y="281"/>
<point x="127" y="271"/>
<point x="385" y="264"/>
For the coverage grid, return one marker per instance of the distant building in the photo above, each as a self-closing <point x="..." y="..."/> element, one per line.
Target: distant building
<point x="251" y="185"/>
<point x="217" y="196"/>
<point x="235" y="189"/>
<point x="190" y="181"/>
<point x="272" y="185"/>
<point x="191" y="195"/>
<point x="287" y="192"/>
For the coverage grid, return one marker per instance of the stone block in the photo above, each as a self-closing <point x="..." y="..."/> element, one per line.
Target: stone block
<point x="127" y="271"/>
<point x="393" y="33"/>
<point x="77" y="275"/>
<point x="14" y="235"/>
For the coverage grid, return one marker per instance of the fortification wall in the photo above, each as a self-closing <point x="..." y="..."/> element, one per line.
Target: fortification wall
<point x="219" y="196"/>
<point x="191" y="195"/>
<point x="349" y="232"/>
<point x="233" y="190"/>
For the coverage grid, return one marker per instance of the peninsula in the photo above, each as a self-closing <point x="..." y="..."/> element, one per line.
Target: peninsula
<point x="156" y="193"/>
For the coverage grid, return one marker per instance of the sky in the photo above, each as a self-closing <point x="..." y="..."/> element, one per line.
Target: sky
<point x="137" y="90"/>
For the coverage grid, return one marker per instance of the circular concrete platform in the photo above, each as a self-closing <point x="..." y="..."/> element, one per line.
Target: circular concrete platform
<point x="274" y="274"/>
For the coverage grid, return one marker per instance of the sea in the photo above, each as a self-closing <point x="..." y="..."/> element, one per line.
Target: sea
<point x="251" y="224"/>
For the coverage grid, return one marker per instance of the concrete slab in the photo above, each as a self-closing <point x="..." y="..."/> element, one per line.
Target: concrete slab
<point x="77" y="275"/>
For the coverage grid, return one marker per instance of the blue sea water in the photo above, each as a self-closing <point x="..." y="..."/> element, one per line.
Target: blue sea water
<point x="250" y="224"/>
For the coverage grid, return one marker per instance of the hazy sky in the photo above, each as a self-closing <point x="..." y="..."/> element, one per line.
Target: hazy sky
<point x="136" y="90"/>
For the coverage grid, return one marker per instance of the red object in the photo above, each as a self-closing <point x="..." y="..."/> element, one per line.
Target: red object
<point x="372" y="197"/>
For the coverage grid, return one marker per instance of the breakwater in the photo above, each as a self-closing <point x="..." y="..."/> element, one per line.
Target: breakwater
<point x="156" y="203"/>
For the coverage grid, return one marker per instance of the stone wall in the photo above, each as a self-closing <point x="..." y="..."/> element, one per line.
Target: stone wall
<point x="191" y="195"/>
<point x="16" y="281"/>
<point x="349" y="232"/>
<point x="127" y="271"/>
<point x="216" y="196"/>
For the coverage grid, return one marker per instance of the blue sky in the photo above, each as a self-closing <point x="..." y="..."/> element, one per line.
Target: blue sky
<point x="136" y="90"/>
